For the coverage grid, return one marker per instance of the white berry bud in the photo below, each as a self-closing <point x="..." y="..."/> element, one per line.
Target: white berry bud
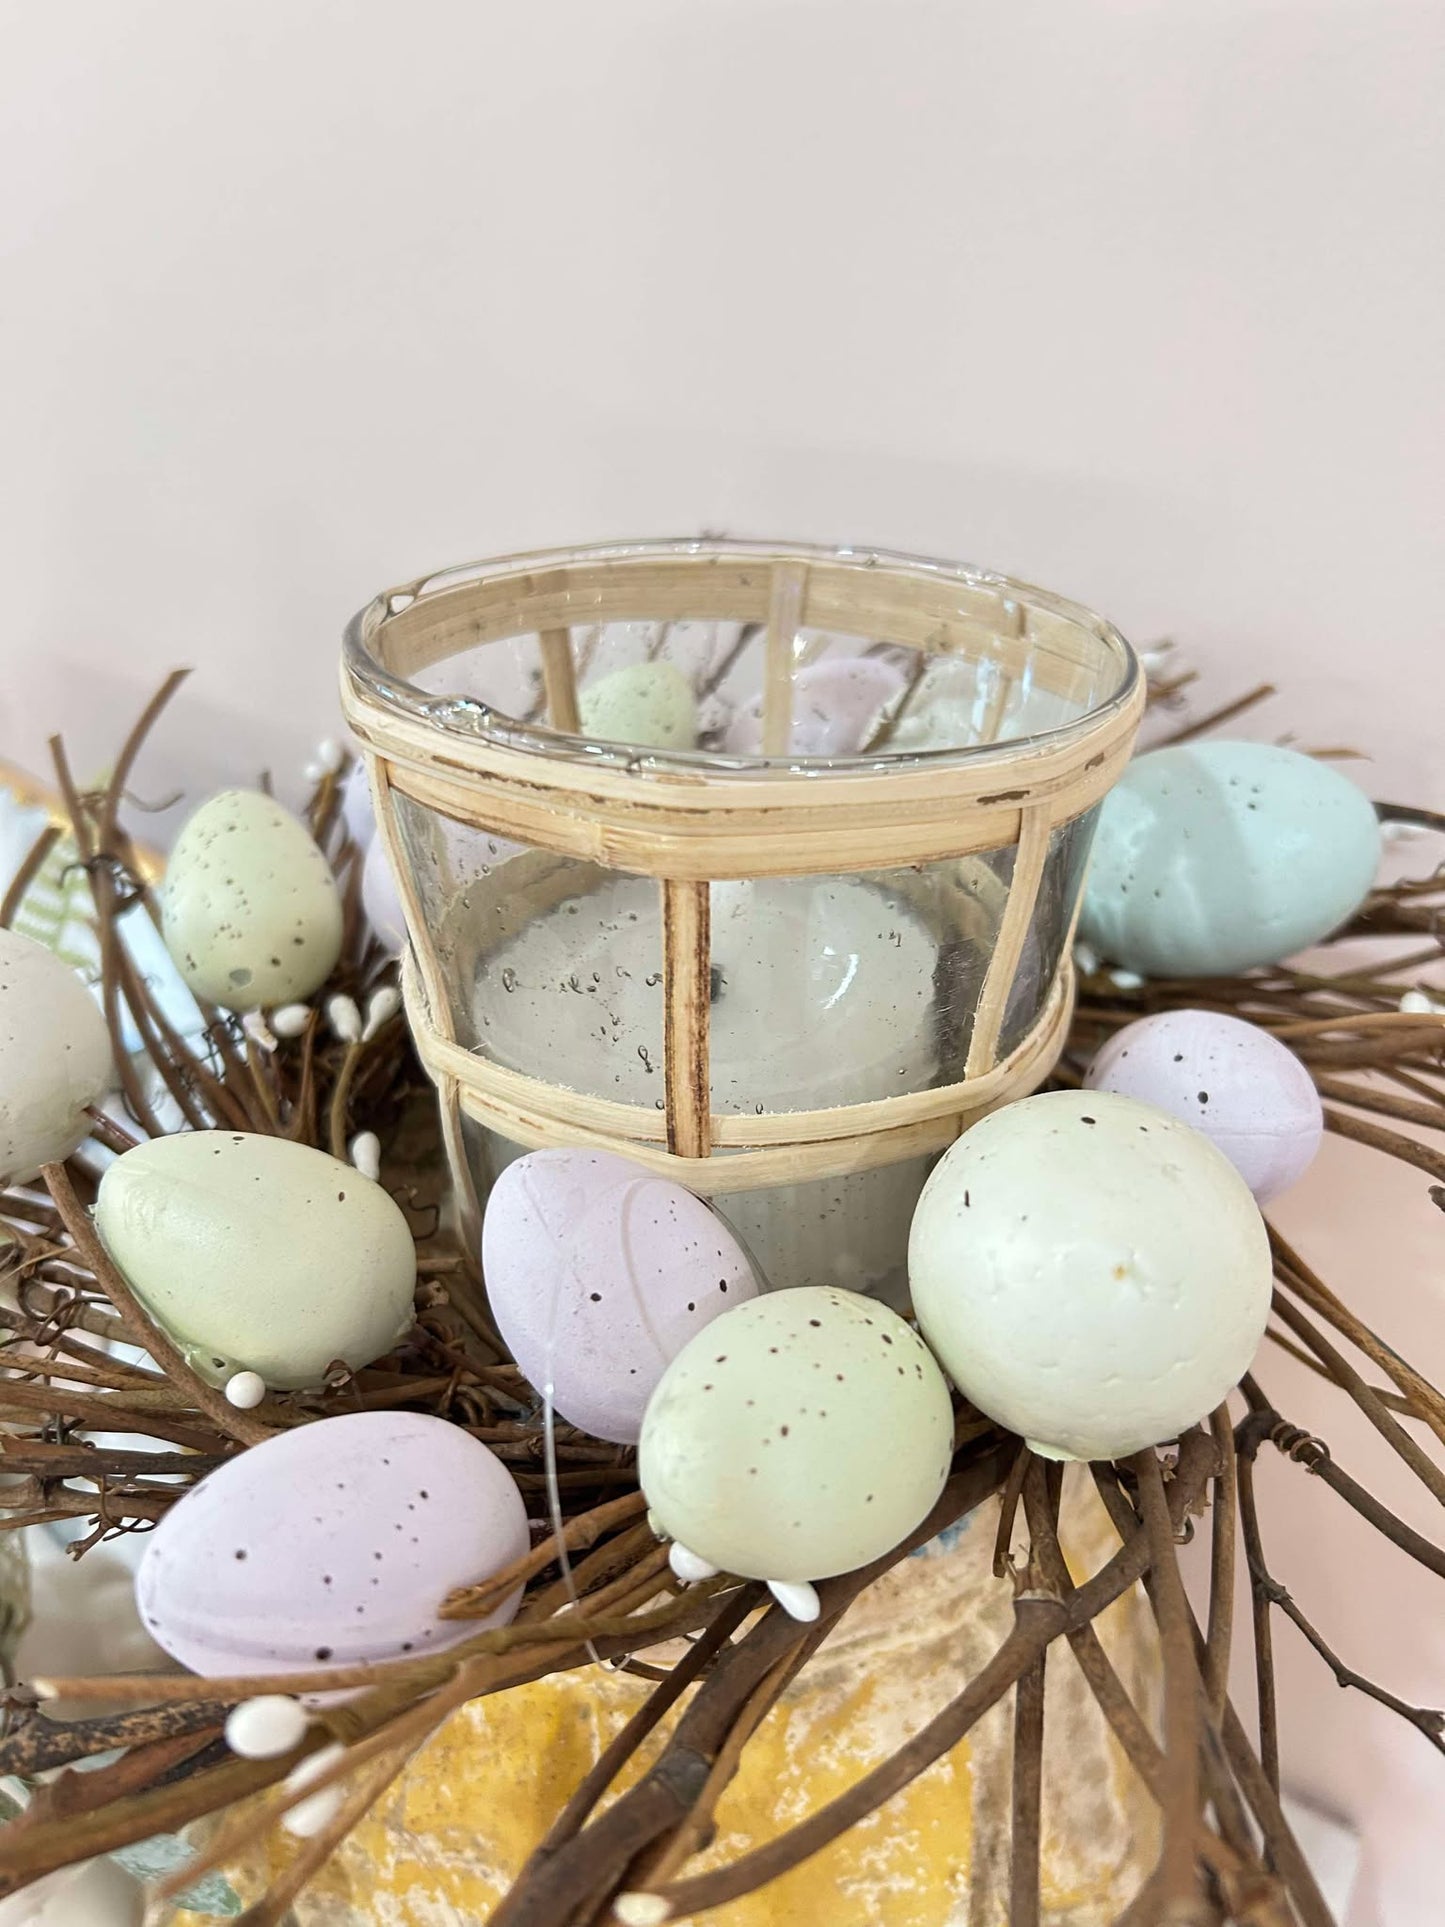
<point x="689" y="1565"/>
<point x="1415" y="1003"/>
<point x="308" y="1817"/>
<point x="257" y="1029"/>
<point x="366" y="1154"/>
<point x="245" y="1390"/>
<point x="383" y="1007"/>
<point x="344" y="1018"/>
<point x="796" y="1597"/>
<point x="266" y="1727"/>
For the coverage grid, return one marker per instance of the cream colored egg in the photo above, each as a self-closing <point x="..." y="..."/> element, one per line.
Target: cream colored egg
<point x="650" y="703"/>
<point x="55" y="1057"/>
<point x="252" y="914"/>
<point x="801" y="1435"/>
<point x="1091" y="1272"/>
<point x="259" y="1255"/>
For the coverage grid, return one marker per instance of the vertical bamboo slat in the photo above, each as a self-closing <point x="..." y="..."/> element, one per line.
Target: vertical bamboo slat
<point x="559" y="678"/>
<point x="687" y="975"/>
<point x="1033" y="850"/>
<point x="790" y="581"/>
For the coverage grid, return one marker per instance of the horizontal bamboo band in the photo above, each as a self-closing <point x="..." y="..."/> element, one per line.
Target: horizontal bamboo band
<point x="696" y="831"/>
<point x="778" y="1148"/>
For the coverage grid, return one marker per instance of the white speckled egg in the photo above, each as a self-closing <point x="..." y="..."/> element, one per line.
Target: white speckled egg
<point x="799" y="1436"/>
<point x="1248" y="1093"/>
<point x="838" y="703"/>
<point x="381" y="900"/>
<point x="650" y="703"/>
<point x="1092" y="1273"/>
<point x="598" y="1273"/>
<point x="259" y="1254"/>
<point x="1213" y="857"/>
<point x="251" y="911"/>
<point x="332" y="1543"/>
<point x="55" y="1058"/>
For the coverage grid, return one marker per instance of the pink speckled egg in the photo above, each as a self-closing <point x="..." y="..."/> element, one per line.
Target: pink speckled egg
<point x="333" y="1543"/>
<point x="837" y="705"/>
<point x="1249" y="1095"/>
<point x="598" y="1274"/>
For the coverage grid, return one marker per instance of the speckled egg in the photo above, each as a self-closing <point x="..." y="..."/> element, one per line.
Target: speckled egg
<point x="1092" y="1273"/>
<point x="381" y="900"/>
<point x="799" y="1436"/>
<point x="838" y="704"/>
<point x="1248" y="1093"/>
<point x="331" y="1543"/>
<point x="55" y="1058"/>
<point x="1213" y="857"/>
<point x="598" y="1273"/>
<point x="259" y="1254"/>
<point x="650" y="703"/>
<point x="251" y="911"/>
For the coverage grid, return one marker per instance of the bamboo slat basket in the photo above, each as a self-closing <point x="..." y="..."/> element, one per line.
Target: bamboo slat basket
<point x="711" y="910"/>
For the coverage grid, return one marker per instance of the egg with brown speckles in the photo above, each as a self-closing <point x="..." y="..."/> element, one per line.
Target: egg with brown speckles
<point x="55" y="1058"/>
<point x="250" y="910"/>
<point x="799" y="1436"/>
<point x="1092" y="1273"/>
<point x="598" y="1273"/>
<point x="332" y="1544"/>
<point x="259" y="1254"/>
<point x="1245" y="1090"/>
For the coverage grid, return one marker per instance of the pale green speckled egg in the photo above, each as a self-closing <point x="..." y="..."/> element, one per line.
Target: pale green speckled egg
<point x="800" y="1435"/>
<point x="251" y="911"/>
<point x="259" y="1254"/>
<point x="1213" y="857"/>
<point x="649" y="703"/>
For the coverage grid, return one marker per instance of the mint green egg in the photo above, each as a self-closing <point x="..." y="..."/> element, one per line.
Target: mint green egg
<point x="1211" y="858"/>
<point x="259" y="1254"/>
<point x="649" y="703"/>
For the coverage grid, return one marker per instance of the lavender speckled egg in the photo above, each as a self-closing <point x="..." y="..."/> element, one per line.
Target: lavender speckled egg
<point x="1248" y="1093"/>
<point x="55" y="1057"/>
<point x="837" y="705"/>
<point x="598" y="1273"/>
<point x="333" y="1543"/>
<point x="799" y="1436"/>
<point x="1091" y="1272"/>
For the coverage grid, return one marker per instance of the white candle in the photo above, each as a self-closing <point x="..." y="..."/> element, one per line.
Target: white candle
<point x="823" y="995"/>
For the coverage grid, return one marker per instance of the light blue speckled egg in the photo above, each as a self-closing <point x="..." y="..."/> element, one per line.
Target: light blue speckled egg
<point x="1213" y="857"/>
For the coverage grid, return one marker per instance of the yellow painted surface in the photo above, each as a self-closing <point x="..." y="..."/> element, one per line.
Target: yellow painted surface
<point x="444" y="1844"/>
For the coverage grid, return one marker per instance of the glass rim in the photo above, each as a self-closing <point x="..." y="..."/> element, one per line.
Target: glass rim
<point x="470" y="719"/>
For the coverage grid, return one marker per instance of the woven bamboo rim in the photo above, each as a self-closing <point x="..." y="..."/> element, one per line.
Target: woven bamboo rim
<point x="688" y="819"/>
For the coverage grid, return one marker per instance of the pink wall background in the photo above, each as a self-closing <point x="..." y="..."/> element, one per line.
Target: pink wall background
<point x="1140" y="299"/>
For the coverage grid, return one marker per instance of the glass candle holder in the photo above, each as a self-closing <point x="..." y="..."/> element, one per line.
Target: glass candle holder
<point x="795" y="912"/>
